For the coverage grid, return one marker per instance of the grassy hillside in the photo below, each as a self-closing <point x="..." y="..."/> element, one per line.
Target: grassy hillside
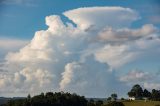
<point x="141" y="103"/>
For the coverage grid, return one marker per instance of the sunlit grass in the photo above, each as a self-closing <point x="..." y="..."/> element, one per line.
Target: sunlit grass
<point x="141" y="103"/>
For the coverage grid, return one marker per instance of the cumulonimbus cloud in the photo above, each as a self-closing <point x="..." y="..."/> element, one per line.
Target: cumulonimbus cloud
<point x="68" y="57"/>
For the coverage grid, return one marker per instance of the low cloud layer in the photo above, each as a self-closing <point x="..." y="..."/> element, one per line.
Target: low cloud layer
<point x="136" y="75"/>
<point x="80" y="58"/>
<point x="149" y="80"/>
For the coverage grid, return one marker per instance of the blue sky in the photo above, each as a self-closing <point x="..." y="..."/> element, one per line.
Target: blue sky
<point x="28" y="16"/>
<point x="78" y="46"/>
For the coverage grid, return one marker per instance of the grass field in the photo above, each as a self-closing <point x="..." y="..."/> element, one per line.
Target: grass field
<point x="141" y="103"/>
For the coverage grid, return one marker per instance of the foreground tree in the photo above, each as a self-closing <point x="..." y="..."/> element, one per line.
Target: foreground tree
<point x="146" y="93"/>
<point x="155" y="95"/>
<point x="136" y="91"/>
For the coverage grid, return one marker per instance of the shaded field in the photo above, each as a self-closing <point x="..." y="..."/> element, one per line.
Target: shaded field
<point x="141" y="103"/>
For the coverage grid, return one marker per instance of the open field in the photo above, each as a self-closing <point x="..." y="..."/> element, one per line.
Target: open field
<point x="141" y="103"/>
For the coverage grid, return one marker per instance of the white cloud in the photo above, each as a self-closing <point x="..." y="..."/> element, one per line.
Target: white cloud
<point x="75" y="59"/>
<point x="115" y="56"/>
<point x="136" y="75"/>
<point x="152" y="85"/>
<point x="118" y="55"/>
<point x="121" y="35"/>
<point x="149" y="80"/>
<point x="25" y="80"/>
<point x="68" y="74"/>
<point x="100" y="17"/>
<point x="89" y="78"/>
<point x="28" y="54"/>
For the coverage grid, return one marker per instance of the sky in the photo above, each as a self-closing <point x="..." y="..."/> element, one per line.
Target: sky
<point x="90" y="47"/>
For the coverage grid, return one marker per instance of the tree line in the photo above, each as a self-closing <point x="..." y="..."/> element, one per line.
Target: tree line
<point x="139" y="93"/>
<point x="58" y="99"/>
<point x="50" y="99"/>
<point x="68" y="99"/>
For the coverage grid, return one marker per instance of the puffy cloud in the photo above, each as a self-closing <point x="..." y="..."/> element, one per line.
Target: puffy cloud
<point x="152" y="85"/>
<point x="115" y="56"/>
<point x="79" y="58"/>
<point x="68" y="74"/>
<point x="136" y="75"/>
<point x="90" y="78"/>
<point x="27" y="54"/>
<point x="118" y="55"/>
<point x="149" y="80"/>
<point x="32" y="80"/>
<point x="113" y="35"/>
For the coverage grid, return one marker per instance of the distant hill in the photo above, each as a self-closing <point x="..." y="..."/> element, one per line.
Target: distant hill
<point x="97" y="99"/>
<point x="4" y="100"/>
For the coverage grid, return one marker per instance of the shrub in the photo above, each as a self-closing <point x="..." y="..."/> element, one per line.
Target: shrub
<point x="115" y="104"/>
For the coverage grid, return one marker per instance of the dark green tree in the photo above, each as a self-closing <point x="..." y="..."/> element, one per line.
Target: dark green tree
<point x="29" y="96"/>
<point x="114" y="96"/>
<point x="131" y="94"/>
<point x="136" y="91"/>
<point x="91" y="102"/>
<point x="99" y="103"/>
<point x="155" y="95"/>
<point x="146" y="93"/>
<point x="109" y="99"/>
